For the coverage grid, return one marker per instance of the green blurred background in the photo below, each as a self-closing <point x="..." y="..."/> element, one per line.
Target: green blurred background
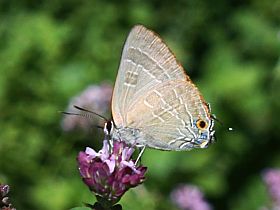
<point x="52" y="50"/>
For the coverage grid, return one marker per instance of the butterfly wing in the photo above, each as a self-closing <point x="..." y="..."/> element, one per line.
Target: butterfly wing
<point x="166" y="116"/>
<point x="154" y="96"/>
<point x="145" y="63"/>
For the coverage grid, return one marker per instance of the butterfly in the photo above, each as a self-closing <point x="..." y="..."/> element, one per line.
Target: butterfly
<point x="154" y="102"/>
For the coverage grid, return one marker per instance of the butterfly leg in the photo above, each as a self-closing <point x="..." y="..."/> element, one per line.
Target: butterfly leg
<point x="140" y="154"/>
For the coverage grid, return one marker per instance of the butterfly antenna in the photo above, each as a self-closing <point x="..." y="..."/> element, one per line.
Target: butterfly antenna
<point x="86" y="110"/>
<point x="222" y="124"/>
<point x="82" y="115"/>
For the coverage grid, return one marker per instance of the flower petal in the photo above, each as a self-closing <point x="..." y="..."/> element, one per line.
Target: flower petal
<point x="91" y="152"/>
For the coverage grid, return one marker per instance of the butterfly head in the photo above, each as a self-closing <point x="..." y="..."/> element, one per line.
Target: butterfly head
<point x="109" y="128"/>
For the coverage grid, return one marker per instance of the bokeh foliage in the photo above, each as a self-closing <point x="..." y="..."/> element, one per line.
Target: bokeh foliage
<point x="52" y="50"/>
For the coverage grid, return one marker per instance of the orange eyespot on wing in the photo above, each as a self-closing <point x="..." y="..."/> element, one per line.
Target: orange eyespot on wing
<point x="201" y="124"/>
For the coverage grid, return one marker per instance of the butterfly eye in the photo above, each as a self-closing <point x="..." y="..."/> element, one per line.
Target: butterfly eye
<point x="201" y="124"/>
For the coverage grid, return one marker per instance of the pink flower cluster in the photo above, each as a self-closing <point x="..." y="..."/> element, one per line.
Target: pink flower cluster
<point x="94" y="97"/>
<point x="5" y="203"/>
<point x="189" y="197"/>
<point x="110" y="172"/>
<point x="272" y="179"/>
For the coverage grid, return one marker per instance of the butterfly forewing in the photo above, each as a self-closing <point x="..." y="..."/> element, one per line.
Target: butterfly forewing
<point x="146" y="62"/>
